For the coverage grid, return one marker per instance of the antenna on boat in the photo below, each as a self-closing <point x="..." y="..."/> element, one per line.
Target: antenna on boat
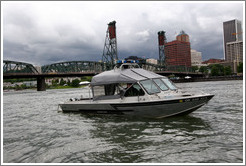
<point x="110" y="46"/>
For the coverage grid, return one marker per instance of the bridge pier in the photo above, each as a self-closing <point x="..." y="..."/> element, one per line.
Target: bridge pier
<point x="41" y="84"/>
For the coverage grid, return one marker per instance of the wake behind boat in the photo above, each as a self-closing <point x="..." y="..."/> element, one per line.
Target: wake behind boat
<point x="131" y="90"/>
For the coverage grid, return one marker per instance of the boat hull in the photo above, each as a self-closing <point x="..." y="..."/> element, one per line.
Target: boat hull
<point x="151" y="109"/>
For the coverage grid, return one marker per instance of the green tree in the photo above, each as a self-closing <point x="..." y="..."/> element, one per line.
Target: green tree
<point x="214" y="71"/>
<point x="62" y="82"/>
<point x="86" y="78"/>
<point x="240" y="68"/>
<point x="217" y="69"/>
<point x="55" y="82"/>
<point x="68" y="82"/>
<point x="227" y="70"/>
<point x="194" y="68"/>
<point x="75" y="83"/>
<point x="203" y="69"/>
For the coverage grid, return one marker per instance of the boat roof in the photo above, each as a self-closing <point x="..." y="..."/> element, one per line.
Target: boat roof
<point x="119" y="75"/>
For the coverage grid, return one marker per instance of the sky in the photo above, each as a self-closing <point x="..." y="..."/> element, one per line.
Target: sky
<point x="47" y="32"/>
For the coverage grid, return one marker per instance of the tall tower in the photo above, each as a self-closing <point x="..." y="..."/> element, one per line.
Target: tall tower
<point x="162" y="40"/>
<point x="110" y="47"/>
<point x="178" y="52"/>
<point x="232" y="33"/>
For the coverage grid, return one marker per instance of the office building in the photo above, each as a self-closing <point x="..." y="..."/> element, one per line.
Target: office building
<point x="196" y="57"/>
<point x="234" y="51"/>
<point x="152" y="61"/>
<point x="178" y="52"/>
<point x="232" y="33"/>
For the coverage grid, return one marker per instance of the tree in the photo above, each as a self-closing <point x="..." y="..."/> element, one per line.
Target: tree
<point x="62" y="82"/>
<point x="194" y="68"/>
<point x="203" y="69"/>
<point x="227" y="70"/>
<point x="68" y="82"/>
<point x="75" y="83"/>
<point x="55" y="82"/>
<point x="214" y="71"/>
<point x="240" y="68"/>
<point x="217" y="69"/>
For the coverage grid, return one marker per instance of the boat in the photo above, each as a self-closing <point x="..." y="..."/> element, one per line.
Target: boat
<point x="131" y="90"/>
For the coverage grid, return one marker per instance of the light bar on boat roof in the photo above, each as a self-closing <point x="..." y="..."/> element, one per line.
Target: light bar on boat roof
<point x="125" y="61"/>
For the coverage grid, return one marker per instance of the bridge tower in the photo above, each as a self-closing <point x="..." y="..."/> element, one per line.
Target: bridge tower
<point x="162" y="40"/>
<point x="110" y="47"/>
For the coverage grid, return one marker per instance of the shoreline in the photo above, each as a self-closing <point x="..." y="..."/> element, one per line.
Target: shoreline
<point x="204" y="79"/>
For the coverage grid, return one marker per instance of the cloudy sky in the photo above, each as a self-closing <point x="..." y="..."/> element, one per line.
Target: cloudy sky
<point x="47" y="32"/>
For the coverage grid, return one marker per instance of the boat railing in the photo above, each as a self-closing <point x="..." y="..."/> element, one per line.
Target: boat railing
<point x="127" y="66"/>
<point x="108" y="97"/>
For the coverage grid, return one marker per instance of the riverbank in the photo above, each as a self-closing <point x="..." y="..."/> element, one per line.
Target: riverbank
<point x="202" y="79"/>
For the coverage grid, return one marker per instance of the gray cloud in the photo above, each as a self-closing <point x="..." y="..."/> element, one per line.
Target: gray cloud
<point x="48" y="32"/>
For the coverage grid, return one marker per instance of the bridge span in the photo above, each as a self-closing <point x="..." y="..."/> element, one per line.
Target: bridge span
<point x="13" y="69"/>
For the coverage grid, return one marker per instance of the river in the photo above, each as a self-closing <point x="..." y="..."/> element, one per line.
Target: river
<point x="35" y="132"/>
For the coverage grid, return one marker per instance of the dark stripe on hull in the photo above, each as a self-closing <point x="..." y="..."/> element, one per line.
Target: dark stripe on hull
<point x="162" y="106"/>
<point x="207" y="98"/>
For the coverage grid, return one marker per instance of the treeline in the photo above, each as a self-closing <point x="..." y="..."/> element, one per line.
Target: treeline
<point x="61" y="83"/>
<point x="219" y="70"/>
<point x="18" y="84"/>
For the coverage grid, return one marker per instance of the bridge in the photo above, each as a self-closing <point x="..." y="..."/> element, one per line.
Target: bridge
<point x="14" y="69"/>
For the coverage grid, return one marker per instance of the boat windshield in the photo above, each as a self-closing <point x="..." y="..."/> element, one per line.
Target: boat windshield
<point x="150" y="86"/>
<point x="169" y="84"/>
<point x="161" y="84"/>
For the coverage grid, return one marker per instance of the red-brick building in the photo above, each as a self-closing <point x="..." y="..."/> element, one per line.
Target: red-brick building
<point x="178" y="51"/>
<point x="213" y="61"/>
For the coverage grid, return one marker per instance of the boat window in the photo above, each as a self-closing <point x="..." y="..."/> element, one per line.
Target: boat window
<point x="160" y="84"/>
<point x="134" y="90"/>
<point x="98" y="91"/>
<point x="150" y="86"/>
<point x="169" y="84"/>
<point x="109" y="89"/>
<point x="103" y="92"/>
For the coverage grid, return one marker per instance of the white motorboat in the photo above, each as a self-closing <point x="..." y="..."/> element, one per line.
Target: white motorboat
<point x="131" y="90"/>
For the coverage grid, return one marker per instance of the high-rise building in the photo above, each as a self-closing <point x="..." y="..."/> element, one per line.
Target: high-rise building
<point x="234" y="51"/>
<point x="178" y="53"/>
<point x="232" y="33"/>
<point x="196" y="57"/>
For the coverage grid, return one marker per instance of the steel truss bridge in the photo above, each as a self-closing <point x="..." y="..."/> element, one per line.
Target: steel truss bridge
<point x="13" y="69"/>
<point x="18" y="67"/>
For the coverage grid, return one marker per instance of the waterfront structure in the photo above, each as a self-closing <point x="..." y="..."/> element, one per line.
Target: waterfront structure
<point x="152" y="61"/>
<point x="234" y="51"/>
<point x="110" y="55"/>
<point x="162" y="41"/>
<point x="196" y="58"/>
<point x="178" y="52"/>
<point x="211" y="61"/>
<point x="232" y="33"/>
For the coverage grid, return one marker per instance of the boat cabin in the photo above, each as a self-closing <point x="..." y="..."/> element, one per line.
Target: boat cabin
<point x="128" y="80"/>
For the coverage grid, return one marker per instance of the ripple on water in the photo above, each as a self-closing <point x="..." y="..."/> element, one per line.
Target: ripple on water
<point x="34" y="132"/>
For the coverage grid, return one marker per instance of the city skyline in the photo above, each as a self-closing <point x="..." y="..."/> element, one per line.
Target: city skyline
<point x="47" y="32"/>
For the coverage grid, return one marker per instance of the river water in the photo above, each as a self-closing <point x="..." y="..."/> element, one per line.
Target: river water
<point x="35" y="132"/>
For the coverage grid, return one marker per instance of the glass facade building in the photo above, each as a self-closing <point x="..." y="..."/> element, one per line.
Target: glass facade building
<point x="232" y="33"/>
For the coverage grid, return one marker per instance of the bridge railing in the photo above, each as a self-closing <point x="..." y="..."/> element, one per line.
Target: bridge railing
<point x="73" y="66"/>
<point x="80" y="66"/>
<point x="18" y="67"/>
